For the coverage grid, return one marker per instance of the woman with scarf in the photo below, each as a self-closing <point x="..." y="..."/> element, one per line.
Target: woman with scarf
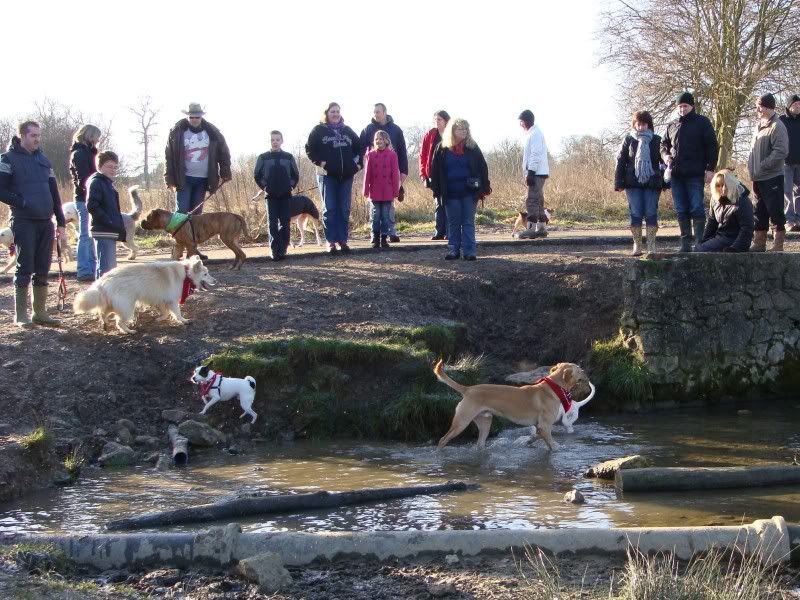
<point x="460" y="177"/>
<point x="336" y="150"/>
<point x="639" y="173"/>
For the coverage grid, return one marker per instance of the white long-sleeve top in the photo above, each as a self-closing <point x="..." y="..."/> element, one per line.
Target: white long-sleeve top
<point x="534" y="154"/>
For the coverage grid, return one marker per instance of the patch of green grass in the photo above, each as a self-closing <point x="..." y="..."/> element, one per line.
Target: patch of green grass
<point x="73" y="463"/>
<point x="418" y="416"/>
<point x="153" y="241"/>
<point x="620" y="372"/>
<point x="38" y="443"/>
<point x="494" y="216"/>
<point x="39" y="557"/>
<point x="443" y="340"/>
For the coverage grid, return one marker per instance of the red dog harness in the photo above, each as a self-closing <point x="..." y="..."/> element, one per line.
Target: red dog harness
<point x="214" y="383"/>
<point x="188" y="288"/>
<point x="563" y="395"/>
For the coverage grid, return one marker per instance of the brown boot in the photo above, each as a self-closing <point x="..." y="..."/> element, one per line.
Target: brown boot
<point x="777" y="242"/>
<point x="759" y="241"/>
<point x="636" y="230"/>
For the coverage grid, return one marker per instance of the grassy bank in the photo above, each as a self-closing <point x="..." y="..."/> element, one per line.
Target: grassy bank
<point x="620" y="374"/>
<point x="382" y="387"/>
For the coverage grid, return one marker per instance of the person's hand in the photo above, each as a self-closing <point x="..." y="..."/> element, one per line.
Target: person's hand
<point x="401" y="195"/>
<point x="530" y="178"/>
<point x="62" y="233"/>
<point x="323" y="163"/>
<point x="709" y="176"/>
<point x="619" y="189"/>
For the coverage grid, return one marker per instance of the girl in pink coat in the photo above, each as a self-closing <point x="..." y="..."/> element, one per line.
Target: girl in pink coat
<point x="381" y="185"/>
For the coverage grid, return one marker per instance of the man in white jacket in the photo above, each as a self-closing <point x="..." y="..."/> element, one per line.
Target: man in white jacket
<point x="536" y="171"/>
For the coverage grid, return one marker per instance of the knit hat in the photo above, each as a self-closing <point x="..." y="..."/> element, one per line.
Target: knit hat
<point x="685" y="98"/>
<point x="195" y="110"/>
<point x="767" y="101"/>
<point x="792" y="100"/>
<point x="526" y="116"/>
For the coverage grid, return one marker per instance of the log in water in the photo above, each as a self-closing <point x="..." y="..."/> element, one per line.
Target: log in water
<point x="245" y="507"/>
<point x="704" y="478"/>
<point x="180" y="447"/>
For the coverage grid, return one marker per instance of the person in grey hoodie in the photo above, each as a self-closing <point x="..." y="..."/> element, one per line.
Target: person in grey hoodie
<point x="791" y="170"/>
<point x="767" y="155"/>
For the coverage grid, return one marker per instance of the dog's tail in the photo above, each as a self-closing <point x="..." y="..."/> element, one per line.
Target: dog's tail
<point x="251" y="381"/>
<point x="245" y="231"/>
<point x="585" y="400"/>
<point x="438" y="370"/>
<point x="312" y="209"/>
<point x="87" y="301"/>
<point x="133" y="191"/>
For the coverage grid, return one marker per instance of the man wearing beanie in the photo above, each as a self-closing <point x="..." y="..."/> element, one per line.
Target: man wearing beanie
<point x="791" y="170"/>
<point x="690" y="149"/>
<point x="536" y="170"/>
<point x="765" y="165"/>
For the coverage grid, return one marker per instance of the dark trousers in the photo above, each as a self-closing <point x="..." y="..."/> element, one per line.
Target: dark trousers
<point x="279" y="210"/>
<point x="769" y="207"/>
<point x="441" y="217"/>
<point x="34" y="242"/>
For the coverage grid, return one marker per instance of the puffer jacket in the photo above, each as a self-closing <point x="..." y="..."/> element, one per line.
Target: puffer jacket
<point x="28" y="185"/>
<point x="103" y="205"/>
<point x="691" y="142"/>
<point x="340" y="150"/>
<point x="81" y="166"/>
<point x="733" y="221"/>
<point x="625" y="173"/>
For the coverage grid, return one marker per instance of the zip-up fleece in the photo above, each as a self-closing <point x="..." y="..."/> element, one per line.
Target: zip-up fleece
<point x="339" y="149"/>
<point x="769" y="151"/>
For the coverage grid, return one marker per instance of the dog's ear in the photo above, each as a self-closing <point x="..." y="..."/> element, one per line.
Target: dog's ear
<point x="569" y="374"/>
<point x="203" y="372"/>
<point x="555" y="368"/>
<point x="195" y="263"/>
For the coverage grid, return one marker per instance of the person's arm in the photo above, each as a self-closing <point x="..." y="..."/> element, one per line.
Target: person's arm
<point x="435" y="168"/>
<point x="260" y="182"/>
<point x="711" y="146"/>
<point x="666" y="147"/>
<point x="7" y="196"/>
<point x="82" y="167"/>
<point x="169" y="168"/>
<point x="367" y="176"/>
<point x="622" y="165"/>
<point x="483" y="173"/>
<point x="744" y="215"/>
<point x="94" y="204"/>
<point x="57" y="210"/>
<point x="312" y="147"/>
<point x="538" y="152"/>
<point x="711" y="225"/>
<point x="396" y="175"/>
<point x="295" y="177"/>
<point x="224" y="158"/>
<point x="359" y="150"/>
<point x="425" y="156"/>
<point x="402" y="157"/>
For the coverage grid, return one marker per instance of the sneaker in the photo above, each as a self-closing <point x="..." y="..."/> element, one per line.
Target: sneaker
<point x="394" y="239"/>
<point x="451" y="256"/>
<point x="332" y="248"/>
<point x="344" y="248"/>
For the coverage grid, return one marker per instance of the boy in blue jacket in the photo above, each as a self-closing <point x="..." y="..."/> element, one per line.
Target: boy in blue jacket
<point x="107" y="227"/>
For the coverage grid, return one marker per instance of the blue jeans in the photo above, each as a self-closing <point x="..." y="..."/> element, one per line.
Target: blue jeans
<point x="191" y="195"/>
<point x="687" y="195"/>
<point x="87" y="262"/>
<point x="336" y="199"/>
<point x="106" y="255"/>
<point x="392" y="220"/>
<point x="643" y="204"/>
<point x="461" y="225"/>
<point x="791" y="193"/>
<point x="380" y="217"/>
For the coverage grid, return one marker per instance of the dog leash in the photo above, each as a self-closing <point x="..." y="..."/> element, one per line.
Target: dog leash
<point x="62" y="282"/>
<point x="264" y="218"/>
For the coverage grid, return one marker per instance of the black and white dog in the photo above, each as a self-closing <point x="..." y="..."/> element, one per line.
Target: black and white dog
<point x="304" y="212"/>
<point x="214" y="387"/>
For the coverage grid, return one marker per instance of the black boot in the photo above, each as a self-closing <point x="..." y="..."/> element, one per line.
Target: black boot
<point x="374" y="240"/>
<point x="384" y="242"/>
<point x="686" y="235"/>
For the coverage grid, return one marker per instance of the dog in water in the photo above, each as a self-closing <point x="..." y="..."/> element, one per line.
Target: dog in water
<point x="228" y="226"/>
<point x="161" y="285"/>
<point x="536" y="405"/>
<point x="215" y="387"/>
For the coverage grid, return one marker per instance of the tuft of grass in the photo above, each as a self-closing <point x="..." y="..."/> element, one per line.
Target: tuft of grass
<point x="441" y="340"/>
<point x="73" y="464"/>
<point x="621" y="372"/>
<point x="38" y="443"/>
<point x="41" y="558"/>
<point x="418" y="415"/>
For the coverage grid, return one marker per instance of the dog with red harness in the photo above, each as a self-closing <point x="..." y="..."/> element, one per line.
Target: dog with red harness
<point x="215" y="387"/>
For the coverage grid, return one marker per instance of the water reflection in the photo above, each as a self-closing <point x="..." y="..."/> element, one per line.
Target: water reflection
<point x="521" y="487"/>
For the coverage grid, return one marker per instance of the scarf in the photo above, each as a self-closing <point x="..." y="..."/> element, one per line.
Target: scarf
<point x="641" y="164"/>
<point x="458" y="149"/>
<point x="337" y="126"/>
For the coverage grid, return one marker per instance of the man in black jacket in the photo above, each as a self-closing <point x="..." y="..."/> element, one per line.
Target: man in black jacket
<point x="28" y="185"/>
<point x="276" y="173"/>
<point x="791" y="170"/>
<point x="690" y="150"/>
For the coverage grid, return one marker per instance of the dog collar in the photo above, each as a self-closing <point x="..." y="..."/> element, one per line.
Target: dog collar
<point x="206" y="387"/>
<point x="188" y="287"/>
<point x="563" y="395"/>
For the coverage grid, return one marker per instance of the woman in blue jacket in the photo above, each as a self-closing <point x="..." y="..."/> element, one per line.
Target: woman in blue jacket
<point x="336" y="150"/>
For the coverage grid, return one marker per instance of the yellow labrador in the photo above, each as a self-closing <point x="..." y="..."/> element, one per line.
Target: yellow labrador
<point x="537" y="405"/>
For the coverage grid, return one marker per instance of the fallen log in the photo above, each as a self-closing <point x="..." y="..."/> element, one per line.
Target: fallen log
<point x="285" y="503"/>
<point x="180" y="446"/>
<point x="662" y="479"/>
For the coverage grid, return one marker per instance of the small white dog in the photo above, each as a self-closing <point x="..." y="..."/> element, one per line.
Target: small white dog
<point x="214" y="387"/>
<point x="162" y="285"/>
<point x="569" y="417"/>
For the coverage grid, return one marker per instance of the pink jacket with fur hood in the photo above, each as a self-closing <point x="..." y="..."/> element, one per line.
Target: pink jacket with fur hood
<point x="381" y="175"/>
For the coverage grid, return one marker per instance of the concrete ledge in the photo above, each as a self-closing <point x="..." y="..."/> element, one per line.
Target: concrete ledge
<point x="220" y="546"/>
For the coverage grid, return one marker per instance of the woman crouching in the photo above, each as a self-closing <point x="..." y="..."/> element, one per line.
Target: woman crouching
<point x="729" y="227"/>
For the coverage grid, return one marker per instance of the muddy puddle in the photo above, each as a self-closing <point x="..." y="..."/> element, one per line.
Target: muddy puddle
<point x="521" y="487"/>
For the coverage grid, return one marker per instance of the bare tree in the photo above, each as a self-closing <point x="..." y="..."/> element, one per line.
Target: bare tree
<point x="145" y="120"/>
<point x="726" y="51"/>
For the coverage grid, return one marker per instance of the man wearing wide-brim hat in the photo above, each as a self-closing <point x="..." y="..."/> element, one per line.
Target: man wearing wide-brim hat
<point x="198" y="159"/>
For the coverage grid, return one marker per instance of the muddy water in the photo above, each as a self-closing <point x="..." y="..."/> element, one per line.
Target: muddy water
<point x="521" y="487"/>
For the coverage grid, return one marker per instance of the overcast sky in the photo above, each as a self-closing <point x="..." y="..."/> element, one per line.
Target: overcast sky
<point x="262" y="66"/>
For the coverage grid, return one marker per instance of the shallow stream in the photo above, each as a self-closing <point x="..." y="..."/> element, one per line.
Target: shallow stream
<point x="521" y="487"/>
